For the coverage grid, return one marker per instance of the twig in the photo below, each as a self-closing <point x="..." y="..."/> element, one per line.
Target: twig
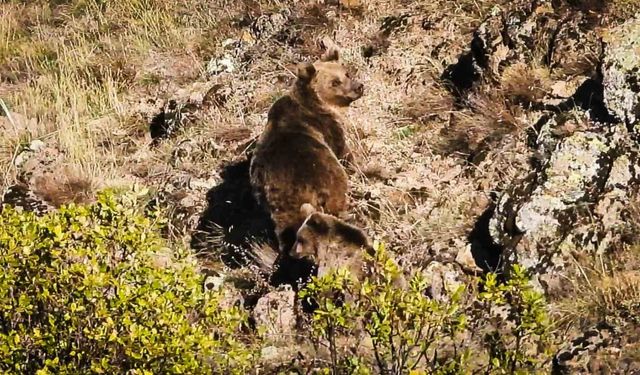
<point x="15" y="151"/>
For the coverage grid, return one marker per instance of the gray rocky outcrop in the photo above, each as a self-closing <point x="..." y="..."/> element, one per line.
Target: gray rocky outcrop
<point x="521" y="33"/>
<point x="275" y="314"/>
<point x="621" y="71"/>
<point x="575" y="199"/>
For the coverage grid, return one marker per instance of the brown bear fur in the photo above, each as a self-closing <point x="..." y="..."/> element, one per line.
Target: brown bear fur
<point x="330" y="243"/>
<point x="297" y="158"/>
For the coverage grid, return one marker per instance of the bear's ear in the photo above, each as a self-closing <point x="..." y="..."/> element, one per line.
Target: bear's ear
<point x="307" y="209"/>
<point x="331" y="50"/>
<point x="331" y="54"/>
<point x="306" y="71"/>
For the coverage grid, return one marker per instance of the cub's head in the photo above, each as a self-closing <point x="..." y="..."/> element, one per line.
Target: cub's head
<point x="329" y="80"/>
<point x="324" y="239"/>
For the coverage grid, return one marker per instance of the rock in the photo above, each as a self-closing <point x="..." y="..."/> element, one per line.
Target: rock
<point x="275" y="314"/>
<point x="47" y="160"/>
<point x="220" y="65"/>
<point x="574" y="200"/>
<point x="573" y="48"/>
<point x="270" y="353"/>
<point x="22" y="158"/>
<point x="22" y="198"/>
<point x="222" y="286"/>
<point x="177" y="112"/>
<point x="230" y="297"/>
<point x="465" y="259"/>
<point x="575" y="356"/>
<point x="34" y="147"/>
<point x="443" y="279"/>
<point x="584" y="175"/>
<point x="183" y="198"/>
<point x="165" y="123"/>
<point x="269" y="25"/>
<point x="52" y="178"/>
<point x="213" y="283"/>
<point x="283" y="359"/>
<point x="217" y="95"/>
<point x="621" y="71"/>
<point x="43" y="171"/>
<point x="545" y="217"/>
<point x="524" y="31"/>
<point x="391" y="24"/>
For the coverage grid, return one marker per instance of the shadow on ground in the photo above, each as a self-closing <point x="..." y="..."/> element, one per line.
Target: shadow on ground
<point x="486" y="253"/>
<point x="235" y="226"/>
<point x="233" y="219"/>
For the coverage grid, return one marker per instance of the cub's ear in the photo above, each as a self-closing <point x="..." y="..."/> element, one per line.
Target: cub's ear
<point x="307" y="209"/>
<point x="306" y="71"/>
<point x="331" y="50"/>
<point x="331" y="54"/>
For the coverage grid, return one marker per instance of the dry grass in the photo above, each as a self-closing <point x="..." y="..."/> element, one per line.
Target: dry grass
<point x="525" y="84"/>
<point x="607" y="286"/>
<point x="87" y="76"/>
<point x="601" y="292"/>
<point x="69" y="64"/>
<point x="69" y="187"/>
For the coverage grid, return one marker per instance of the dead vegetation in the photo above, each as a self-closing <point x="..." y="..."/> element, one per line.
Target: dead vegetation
<point x="72" y="187"/>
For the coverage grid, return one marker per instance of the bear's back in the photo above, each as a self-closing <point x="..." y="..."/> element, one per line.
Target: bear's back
<point x="316" y="120"/>
<point x="293" y="164"/>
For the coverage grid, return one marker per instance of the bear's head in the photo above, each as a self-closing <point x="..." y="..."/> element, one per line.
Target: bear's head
<point x="328" y="241"/>
<point x="329" y="80"/>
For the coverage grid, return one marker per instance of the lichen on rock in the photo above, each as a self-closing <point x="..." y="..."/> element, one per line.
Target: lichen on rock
<point x="570" y="176"/>
<point x="621" y="71"/>
<point x="585" y="170"/>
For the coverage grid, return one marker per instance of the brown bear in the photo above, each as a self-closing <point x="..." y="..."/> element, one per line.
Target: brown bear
<point x="330" y="243"/>
<point x="297" y="158"/>
<point x="323" y="242"/>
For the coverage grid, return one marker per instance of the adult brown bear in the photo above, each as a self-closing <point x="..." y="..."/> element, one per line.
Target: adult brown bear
<point x="297" y="158"/>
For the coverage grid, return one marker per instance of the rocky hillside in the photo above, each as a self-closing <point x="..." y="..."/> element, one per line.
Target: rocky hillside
<point x="491" y="134"/>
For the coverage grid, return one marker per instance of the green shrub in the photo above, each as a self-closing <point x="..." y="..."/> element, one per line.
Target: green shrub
<point x="520" y="326"/>
<point x="81" y="292"/>
<point x="407" y="329"/>
<point x="411" y="333"/>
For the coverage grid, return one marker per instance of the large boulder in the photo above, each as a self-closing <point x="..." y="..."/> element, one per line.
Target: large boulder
<point x="621" y="71"/>
<point x="275" y="314"/>
<point x="577" y="197"/>
<point x="575" y="201"/>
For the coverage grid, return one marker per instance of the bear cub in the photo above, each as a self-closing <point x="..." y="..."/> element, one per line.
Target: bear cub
<point x="329" y="243"/>
<point x="297" y="158"/>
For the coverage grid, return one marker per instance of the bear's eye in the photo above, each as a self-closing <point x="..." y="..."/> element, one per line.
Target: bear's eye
<point x="335" y="83"/>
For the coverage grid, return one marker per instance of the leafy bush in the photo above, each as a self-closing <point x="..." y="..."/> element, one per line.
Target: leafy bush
<point x="405" y="326"/>
<point x="81" y="292"/>
<point x="520" y="327"/>
<point x="411" y="333"/>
